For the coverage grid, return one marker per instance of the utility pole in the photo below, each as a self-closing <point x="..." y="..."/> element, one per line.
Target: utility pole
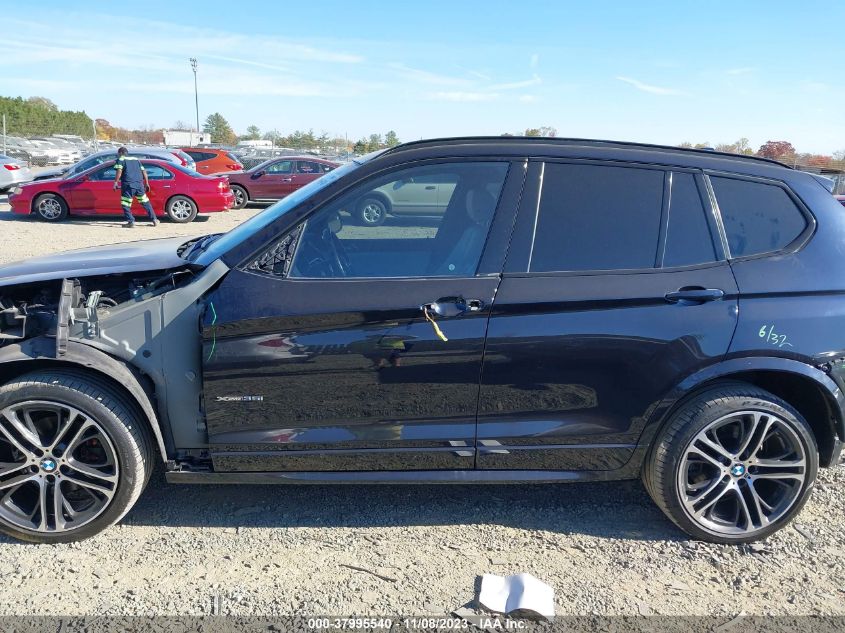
<point x="193" y="61"/>
<point x="4" y="134"/>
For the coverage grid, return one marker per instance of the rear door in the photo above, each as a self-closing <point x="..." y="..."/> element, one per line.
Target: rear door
<point x="349" y="347"/>
<point x="615" y="290"/>
<point x="304" y="172"/>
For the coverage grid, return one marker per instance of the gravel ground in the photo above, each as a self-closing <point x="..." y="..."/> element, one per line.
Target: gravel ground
<point x="605" y="548"/>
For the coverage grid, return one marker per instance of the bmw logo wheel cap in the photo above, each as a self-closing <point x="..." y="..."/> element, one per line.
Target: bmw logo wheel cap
<point x="48" y="465"/>
<point x="737" y="470"/>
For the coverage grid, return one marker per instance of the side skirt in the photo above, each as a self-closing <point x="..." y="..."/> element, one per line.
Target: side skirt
<point x="402" y="477"/>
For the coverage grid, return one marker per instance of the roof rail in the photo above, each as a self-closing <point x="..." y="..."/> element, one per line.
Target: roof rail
<point x="553" y="140"/>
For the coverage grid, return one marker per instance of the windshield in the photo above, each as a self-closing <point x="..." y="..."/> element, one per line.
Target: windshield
<point x="272" y="213"/>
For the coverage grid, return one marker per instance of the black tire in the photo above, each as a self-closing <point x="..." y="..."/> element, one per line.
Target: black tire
<point x="181" y="209"/>
<point x="50" y="207"/>
<point x="241" y="196"/>
<point x="372" y="212"/>
<point x="662" y="475"/>
<point x="115" y="415"/>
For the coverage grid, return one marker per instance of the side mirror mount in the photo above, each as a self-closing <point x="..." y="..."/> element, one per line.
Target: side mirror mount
<point x="258" y="174"/>
<point x="84" y="178"/>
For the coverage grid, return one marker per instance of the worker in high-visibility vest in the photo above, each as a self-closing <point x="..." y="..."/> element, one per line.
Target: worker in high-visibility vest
<point x="132" y="179"/>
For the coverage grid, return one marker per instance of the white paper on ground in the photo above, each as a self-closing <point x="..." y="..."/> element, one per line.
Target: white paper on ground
<point x="504" y="594"/>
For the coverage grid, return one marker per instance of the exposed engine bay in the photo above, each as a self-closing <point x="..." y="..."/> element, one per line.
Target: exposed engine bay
<point x="50" y="308"/>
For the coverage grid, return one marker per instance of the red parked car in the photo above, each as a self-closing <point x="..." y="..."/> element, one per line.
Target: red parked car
<point x="175" y="191"/>
<point x="275" y="178"/>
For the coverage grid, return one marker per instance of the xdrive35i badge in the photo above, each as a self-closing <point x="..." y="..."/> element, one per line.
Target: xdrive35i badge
<point x="239" y="398"/>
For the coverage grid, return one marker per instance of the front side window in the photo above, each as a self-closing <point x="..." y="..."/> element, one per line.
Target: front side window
<point x="596" y="217"/>
<point x="758" y="217"/>
<point x="281" y="167"/>
<point x="107" y="173"/>
<point x="391" y="226"/>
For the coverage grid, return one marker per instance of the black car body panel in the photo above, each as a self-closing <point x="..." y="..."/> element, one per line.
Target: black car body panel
<point x="552" y="376"/>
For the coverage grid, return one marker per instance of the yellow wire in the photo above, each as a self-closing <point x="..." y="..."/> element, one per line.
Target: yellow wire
<point x="436" y="327"/>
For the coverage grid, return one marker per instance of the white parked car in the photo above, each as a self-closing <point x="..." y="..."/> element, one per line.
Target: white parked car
<point x="13" y="172"/>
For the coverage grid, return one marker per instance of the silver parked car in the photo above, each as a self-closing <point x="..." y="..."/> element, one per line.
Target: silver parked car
<point x="13" y="172"/>
<point x="111" y="154"/>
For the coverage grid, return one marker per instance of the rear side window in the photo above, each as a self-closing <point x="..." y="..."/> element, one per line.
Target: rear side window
<point x="758" y="218"/>
<point x="688" y="238"/>
<point x="594" y="217"/>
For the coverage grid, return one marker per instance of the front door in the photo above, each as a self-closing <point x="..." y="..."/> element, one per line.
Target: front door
<point x="614" y="291"/>
<point x="348" y="347"/>
<point x="94" y="193"/>
<point x="273" y="181"/>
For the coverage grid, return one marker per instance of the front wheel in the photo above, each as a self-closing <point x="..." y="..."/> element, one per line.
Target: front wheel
<point x="241" y="197"/>
<point x="734" y="465"/>
<point x="51" y="207"/>
<point x="74" y="457"/>
<point x="181" y="209"/>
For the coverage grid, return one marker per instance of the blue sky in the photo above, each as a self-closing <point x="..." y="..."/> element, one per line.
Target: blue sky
<point x="662" y="72"/>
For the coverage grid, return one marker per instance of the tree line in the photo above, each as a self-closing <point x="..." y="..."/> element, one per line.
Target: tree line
<point x="782" y="151"/>
<point x="38" y="116"/>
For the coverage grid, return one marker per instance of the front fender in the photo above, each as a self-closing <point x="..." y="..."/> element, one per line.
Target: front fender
<point x="40" y="352"/>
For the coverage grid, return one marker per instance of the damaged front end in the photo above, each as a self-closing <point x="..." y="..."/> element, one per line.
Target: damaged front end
<point x="147" y="322"/>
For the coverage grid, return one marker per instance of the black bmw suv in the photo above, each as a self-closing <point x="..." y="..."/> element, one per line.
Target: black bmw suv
<point x="542" y="310"/>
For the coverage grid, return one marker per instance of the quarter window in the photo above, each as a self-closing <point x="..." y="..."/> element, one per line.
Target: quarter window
<point x="595" y="217"/>
<point x="429" y="220"/>
<point x="758" y="217"/>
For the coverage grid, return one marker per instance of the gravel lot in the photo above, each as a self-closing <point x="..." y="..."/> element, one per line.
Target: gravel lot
<point x="605" y="548"/>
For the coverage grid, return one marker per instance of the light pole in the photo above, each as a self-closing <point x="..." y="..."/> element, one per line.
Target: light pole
<point x="193" y="61"/>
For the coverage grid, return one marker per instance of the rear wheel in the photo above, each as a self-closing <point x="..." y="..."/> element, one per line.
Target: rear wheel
<point x="734" y="465"/>
<point x="241" y="197"/>
<point x="50" y="207"/>
<point x="372" y="212"/>
<point x="74" y="456"/>
<point x="181" y="209"/>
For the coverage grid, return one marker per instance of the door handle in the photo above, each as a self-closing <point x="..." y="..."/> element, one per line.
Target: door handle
<point x="430" y="188"/>
<point x="453" y="306"/>
<point x="287" y="179"/>
<point x="694" y="295"/>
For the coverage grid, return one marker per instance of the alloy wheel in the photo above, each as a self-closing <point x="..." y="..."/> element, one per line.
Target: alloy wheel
<point x="239" y="197"/>
<point x="742" y="472"/>
<point x="49" y="208"/>
<point x="58" y="467"/>
<point x="371" y="213"/>
<point x="181" y="209"/>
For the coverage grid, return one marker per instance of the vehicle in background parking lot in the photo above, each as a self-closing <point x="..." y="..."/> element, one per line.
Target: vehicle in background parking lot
<point x="175" y="191"/>
<point x="211" y="160"/>
<point x="841" y="199"/>
<point x="572" y="314"/>
<point x="276" y="178"/>
<point x="13" y="172"/>
<point x="103" y="156"/>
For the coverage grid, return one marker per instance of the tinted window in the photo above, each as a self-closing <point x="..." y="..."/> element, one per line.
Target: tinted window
<point x="688" y="238"/>
<point x="597" y="218"/>
<point x="156" y="172"/>
<point x="303" y="167"/>
<point x="393" y="227"/>
<point x="758" y="218"/>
